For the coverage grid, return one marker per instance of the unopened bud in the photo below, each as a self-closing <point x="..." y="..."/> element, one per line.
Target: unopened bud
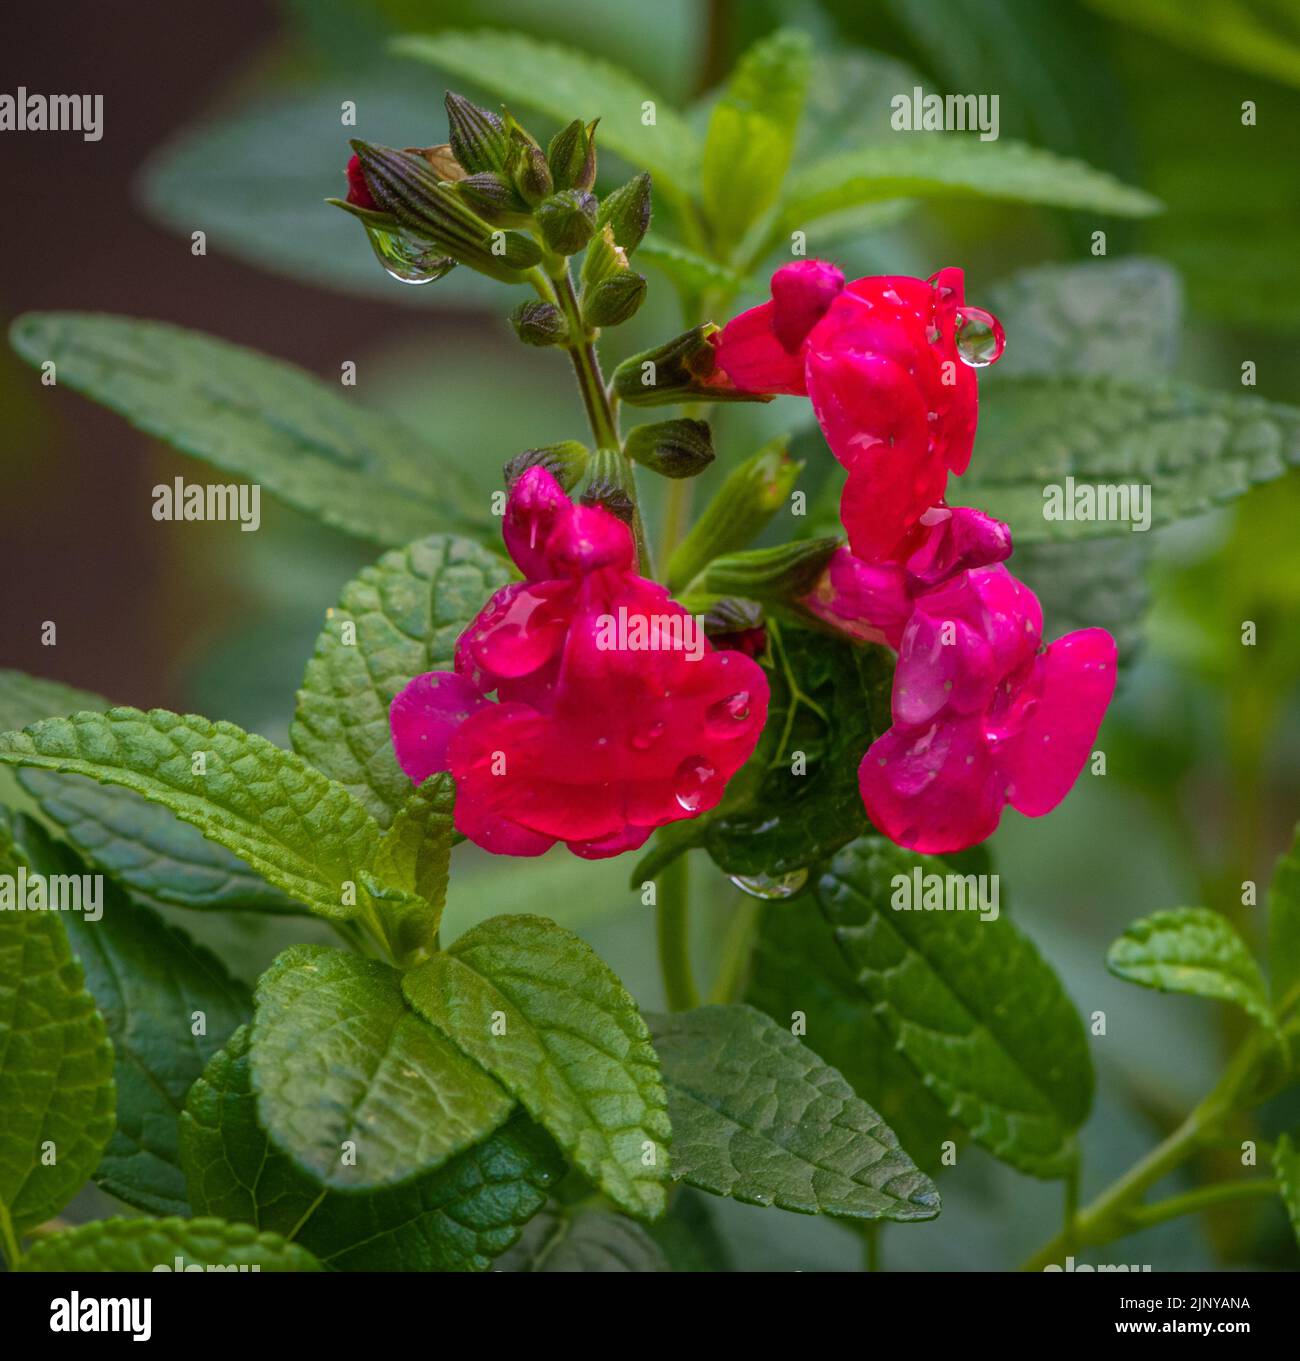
<point x="781" y="574"/>
<point x="681" y="370"/>
<point x="532" y="175"/>
<point x="493" y="198"/>
<point x="627" y="212"/>
<point x="614" y="300"/>
<point x="572" y="156"/>
<point x="567" y="220"/>
<point x="477" y="136"/>
<point x="680" y="448"/>
<point x="539" y="323"/>
<point x="442" y="160"/>
<point x="566" y="462"/>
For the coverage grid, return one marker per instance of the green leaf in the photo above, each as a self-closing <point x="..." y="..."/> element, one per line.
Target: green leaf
<point x="338" y="1058"/>
<point x="416" y="850"/>
<point x="27" y="699"/>
<point x="759" y="1117"/>
<point x="829" y="702"/>
<point x="153" y="985"/>
<point x="257" y="418"/>
<point x="456" y="1218"/>
<point x="403" y="615"/>
<point x="297" y="829"/>
<point x="972" y="1006"/>
<point x="1195" y="951"/>
<point x="944" y="165"/>
<point x="1286" y="1167"/>
<point x="573" y="1047"/>
<point x="1193" y="449"/>
<point x="798" y="968"/>
<point x="751" y="134"/>
<point x="56" y="1069"/>
<point x="1284" y="929"/>
<point x="692" y="274"/>
<point x="584" y="1239"/>
<point x="565" y="84"/>
<point x="147" y="1244"/>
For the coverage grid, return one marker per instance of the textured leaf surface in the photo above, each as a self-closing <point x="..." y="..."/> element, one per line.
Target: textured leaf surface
<point x="338" y="1058"/>
<point x="567" y="84"/>
<point x="301" y="832"/>
<point x="256" y="417"/>
<point x="1284" y="928"/>
<point x="143" y="1244"/>
<point x="457" y="1218"/>
<point x="751" y="134"/>
<point x="590" y="1240"/>
<point x="1191" y="950"/>
<point x="575" y="1050"/>
<point x="971" y="1004"/>
<point x="1286" y="1167"/>
<point x="797" y="967"/>
<point x="691" y="273"/>
<point x="416" y="850"/>
<point x="407" y="612"/>
<point x="56" y="1066"/>
<point x="759" y="1117"/>
<point x="1195" y="449"/>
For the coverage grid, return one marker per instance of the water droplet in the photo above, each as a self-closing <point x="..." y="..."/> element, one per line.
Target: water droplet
<point x="980" y="338"/>
<point x="407" y="260"/>
<point x="689" y="782"/>
<point x="770" y="885"/>
<point x="723" y="716"/>
<point x="647" y="737"/>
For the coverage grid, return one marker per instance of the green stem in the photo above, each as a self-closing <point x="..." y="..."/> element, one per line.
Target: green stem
<point x="1190" y="1202"/>
<point x="871" y="1247"/>
<point x="734" y="964"/>
<point x="9" y="1248"/>
<point x="672" y="922"/>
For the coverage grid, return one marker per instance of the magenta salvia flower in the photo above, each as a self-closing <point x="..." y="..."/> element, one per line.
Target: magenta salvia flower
<point x="614" y="715"/>
<point x="982" y="717"/>
<point x="888" y="364"/>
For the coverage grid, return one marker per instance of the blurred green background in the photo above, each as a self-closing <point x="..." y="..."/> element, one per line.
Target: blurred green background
<point x="226" y="120"/>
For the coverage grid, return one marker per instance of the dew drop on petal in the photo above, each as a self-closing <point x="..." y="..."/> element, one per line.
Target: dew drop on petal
<point x="647" y="737"/>
<point x="980" y="338"/>
<point x="689" y="782"/>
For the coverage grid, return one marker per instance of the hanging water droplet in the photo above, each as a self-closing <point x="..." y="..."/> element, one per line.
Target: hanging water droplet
<point x="689" y="782"/>
<point x="407" y="260"/>
<point x="647" y="737"/>
<point x="769" y="885"/>
<point x="723" y="716"/>
<point x="980" y="338"/>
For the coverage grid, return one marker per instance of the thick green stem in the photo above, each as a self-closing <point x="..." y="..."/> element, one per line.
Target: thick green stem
<point x="734" y="965"/>
<point x="1190" y="1202"/>
<point x="672" y="922"/>
<point x="9" y="1248"/>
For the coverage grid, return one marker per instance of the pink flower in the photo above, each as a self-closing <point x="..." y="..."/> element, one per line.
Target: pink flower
<point x="614" y="714"/>
<point x="892" y="390"/>
<point x="982" y="717"/>
<point x="358" y="190"/>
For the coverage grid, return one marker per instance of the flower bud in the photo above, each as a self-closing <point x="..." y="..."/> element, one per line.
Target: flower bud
<point x="493" y="198"/>
<point x="572" y="156"/>
<point x="566" y="462"/>
<point x="477" y="136"/>
<point x="683" y="369"/>
<point x="627" y="212"/>
<point x="567" y="220"/>
<point x="679" y="448"/>
<point x="358" y="190"/>
<point x="602" y="258"/>
<point x="442" y="160"/>
<point x="539" y="323"/>
<point x="532" y="175"/>
<point x="779" y="574"/>
<point x="612" y="301"/>
<point x="405" y="187"/>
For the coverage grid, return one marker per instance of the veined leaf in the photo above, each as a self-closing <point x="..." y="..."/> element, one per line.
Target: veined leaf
<point x="1194" y="951"/>
<point x="456" y="1218"/>
<point x="538" y="1009"/>
<point x="751" y="134"/>
<point x="258" y="418"/>
<point x="56" y="1068"/>
<point x="416" y="850"/>
<point x="971" y="1005"/>
<point x="566" y="84"/>
<point x="1193" y="449"/>
<point x="147" y="1244"/>
<point x="691" y="273"/>
<point x="351" y="1083"/>
<point x="396" y="620"/>
<point x="759" y="1117"/>
<point x="584" y="1239"/>
<point x="1284" y="929"/>
<point x="300" y="831"/>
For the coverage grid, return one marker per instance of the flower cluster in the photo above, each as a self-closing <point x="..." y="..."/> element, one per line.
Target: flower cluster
<point x="982" y="716"/>
<point x="590" y="741"/>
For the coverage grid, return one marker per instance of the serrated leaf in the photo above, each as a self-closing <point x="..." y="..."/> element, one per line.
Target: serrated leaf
<point x="258" y="418"/>
<point x="147" y="1244"/>
<point x="941" y="165"/>
<point x="584" y="1239"/>
<point x="797" y="967"/>
<point x="1195" y="951"/>
<point x="339" y="1059"/>
<point x="56" y="1067"/>
<point x="1286" y="1167"/>
<point x="300" y="831"/>
<point x="574" y="1049"/>
<point x="457" y="1218"/>
<point x="153" y="985"/>
<point x="1284" y="929"/>
<point x="407" y="611"/>
<point x="757" y="1116"/>
<point x="691" y="273"/>
<point x="1193" y="449"/>
<point x="751" y="134"/>
<point x="972" y="1006"/>
<point x="565" y="84"/>
<point x="416" y="850"/>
